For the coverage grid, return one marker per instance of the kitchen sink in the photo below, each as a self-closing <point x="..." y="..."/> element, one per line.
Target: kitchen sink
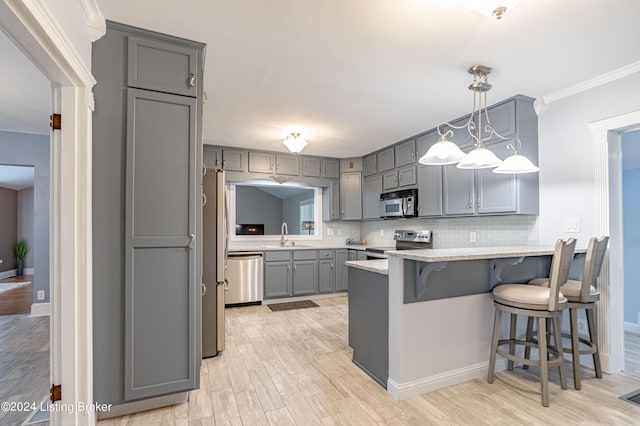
<point x="288" y="246"/>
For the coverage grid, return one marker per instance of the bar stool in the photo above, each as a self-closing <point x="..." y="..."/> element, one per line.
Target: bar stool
<point x="539" y="302"/>
<point x="582" y="295"/>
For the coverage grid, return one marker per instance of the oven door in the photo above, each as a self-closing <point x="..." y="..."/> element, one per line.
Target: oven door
<point x="392" y="208"/>
<point x="374" y="255"/>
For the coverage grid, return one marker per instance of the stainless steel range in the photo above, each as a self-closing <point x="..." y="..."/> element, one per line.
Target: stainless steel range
<point x="405" y="240"/>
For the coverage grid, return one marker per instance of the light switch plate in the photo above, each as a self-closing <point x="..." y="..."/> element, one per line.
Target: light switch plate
<point x="571" y="224"/>
<point x="472" y="236"/>
<point x="329" y="231"/>
<point x="382" y="232"/>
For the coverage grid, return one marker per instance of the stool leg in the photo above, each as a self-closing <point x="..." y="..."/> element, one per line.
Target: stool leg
<point x="527" y="349"/>
<point x="575" y="347"/>
<point x="544" y="368"/>
<point x="494" y="344"/>
<point x="557" y="331"/>
<point x="512" y="335"/>
<point x="593" y="337"/>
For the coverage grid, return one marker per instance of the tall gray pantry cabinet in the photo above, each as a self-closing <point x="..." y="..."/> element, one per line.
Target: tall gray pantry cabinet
<point x="147" y="156"/>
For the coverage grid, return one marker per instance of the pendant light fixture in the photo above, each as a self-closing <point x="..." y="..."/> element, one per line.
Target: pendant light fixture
<point x="295" y="142"/>
<point x="445" y="152"/>
<point x="516" y="163"/>
<point x="491" y="8"/>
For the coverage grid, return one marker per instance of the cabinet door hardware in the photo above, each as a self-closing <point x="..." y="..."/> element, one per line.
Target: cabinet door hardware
<point x="192" y="80"/>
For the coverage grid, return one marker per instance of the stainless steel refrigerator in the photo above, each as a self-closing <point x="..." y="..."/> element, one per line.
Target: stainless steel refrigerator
<point x="214" y="255"/>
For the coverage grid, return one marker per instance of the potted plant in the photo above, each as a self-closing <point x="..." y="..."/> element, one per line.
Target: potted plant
<point x="21" y="250"/>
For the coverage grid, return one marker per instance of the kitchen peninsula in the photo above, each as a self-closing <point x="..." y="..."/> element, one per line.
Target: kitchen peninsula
<point x="440" y="309"/>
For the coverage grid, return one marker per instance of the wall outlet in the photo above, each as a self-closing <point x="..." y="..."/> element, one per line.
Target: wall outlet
<point x="472" y="236"/>
<point x="582" y="326"/>
<point x="40" y="295"/>
<point x="382" y="232"/>
<point x="1" y="261"/>
<point x="330" y="231"/>
<point x="339" y="231"/>
<point x="571" y="224"/>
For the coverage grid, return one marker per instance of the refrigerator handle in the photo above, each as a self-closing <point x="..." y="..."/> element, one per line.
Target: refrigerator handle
<point x="204" y="289"/>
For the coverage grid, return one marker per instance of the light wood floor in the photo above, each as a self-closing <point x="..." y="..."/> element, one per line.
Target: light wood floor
<point x="17" y="300"/>
<point x="24" y="363"/>
<point x="632" y="353"/>
<point x="294" y="367"/>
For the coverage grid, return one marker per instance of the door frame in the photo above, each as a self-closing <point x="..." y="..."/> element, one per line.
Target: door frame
<point x="33" y="27"/>
<point x="608" y="219"/>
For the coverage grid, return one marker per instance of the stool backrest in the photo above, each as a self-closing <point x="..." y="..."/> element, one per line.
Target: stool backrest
<point x="592" y="265"/>
<point x="560" y="267"/>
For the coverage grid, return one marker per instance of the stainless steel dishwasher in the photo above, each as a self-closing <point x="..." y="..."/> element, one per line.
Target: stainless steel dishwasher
<point x="245" y="277"/>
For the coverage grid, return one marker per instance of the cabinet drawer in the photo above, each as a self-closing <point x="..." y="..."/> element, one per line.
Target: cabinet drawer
<point x="275" y="256"/>
<point x="305" y="255"/>
<point x="325" y="254"/>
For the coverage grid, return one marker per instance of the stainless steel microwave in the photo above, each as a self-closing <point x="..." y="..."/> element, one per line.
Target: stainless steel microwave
<point x="399" y="204"/>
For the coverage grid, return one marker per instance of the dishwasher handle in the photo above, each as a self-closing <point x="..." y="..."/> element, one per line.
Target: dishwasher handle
<point x="244" y="256"/>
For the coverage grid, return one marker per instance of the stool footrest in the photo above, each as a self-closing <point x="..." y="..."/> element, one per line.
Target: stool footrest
<point x="553" y="360"/>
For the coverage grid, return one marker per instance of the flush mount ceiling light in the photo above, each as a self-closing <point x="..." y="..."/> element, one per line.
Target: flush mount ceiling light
<point x="491" y="8"/>
<point x="445" y="152"/>
<point x="295" y="142"/>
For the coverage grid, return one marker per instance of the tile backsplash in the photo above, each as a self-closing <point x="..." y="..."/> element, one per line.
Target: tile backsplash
<point x="456" y="232"/>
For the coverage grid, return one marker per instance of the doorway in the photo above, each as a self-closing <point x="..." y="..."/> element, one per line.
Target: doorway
<point x="630" y="148"/>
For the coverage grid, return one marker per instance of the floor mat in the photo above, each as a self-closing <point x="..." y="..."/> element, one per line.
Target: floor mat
<point x="632" y="397"/>
<point x="292" y="305"/>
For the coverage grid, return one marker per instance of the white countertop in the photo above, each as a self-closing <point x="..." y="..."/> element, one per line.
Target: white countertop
<point x="379" y="266"/>
<point x="451" y="254"/>
<point x="275" y="245"/>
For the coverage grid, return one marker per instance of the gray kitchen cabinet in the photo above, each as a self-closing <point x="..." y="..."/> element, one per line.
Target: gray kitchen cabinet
<point x="429" y="191"/>
<point x="287" y="165"/>
<point x="407" y="176"/>
<point x="458" y="191"/>
<point x="212" y="157"/>
<point x="424" y="142"/>
<point x="326" y="272"/>
<point x="389" y="180"/>
<point x="331" y="168"/>
<point x="311" y="167"/>
<point x="503" y="120"/>
<point x="146" y="215"/>
<point x="162" y="67"/>
<point x="370" y="165"/>
<point x="405" y="153"/>
<point x="361" y="255"/>
<point x="351" y="196"/>
<point x="260" y="162"/>
<point x="353" y="254"/>
<point x="342" y="277"/>
<point x="386" y="160"/>
<point x="277" y="279"/>
<point x="305" y="272"/>
<point x="234" y="160"/>
<point x="371" y="190"/>
<point x="460" y="137"/>
<point x="331" y="202"/>
<point x="496" y="193"/>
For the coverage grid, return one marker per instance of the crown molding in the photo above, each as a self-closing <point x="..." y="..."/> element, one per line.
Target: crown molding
<point x="608" y="77"/>
<point x="97" y="22"/>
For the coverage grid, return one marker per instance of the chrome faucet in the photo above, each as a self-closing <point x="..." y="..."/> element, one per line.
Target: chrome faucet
<point x="284" y="230"/>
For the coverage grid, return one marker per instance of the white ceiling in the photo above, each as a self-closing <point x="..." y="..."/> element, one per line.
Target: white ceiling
<point x="16" y="177"/>
<point x="355" y="75"/>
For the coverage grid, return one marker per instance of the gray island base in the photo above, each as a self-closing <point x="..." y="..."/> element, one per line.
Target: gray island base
<point x="440" y="312"/>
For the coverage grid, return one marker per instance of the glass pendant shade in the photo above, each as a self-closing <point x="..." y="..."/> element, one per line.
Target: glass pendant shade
<point x="442" y="153"/>
<point x="479" y="158"/>
<point x="295" y="143"/>
<point x="516" y="164"/>
<point x="491" y="8"/>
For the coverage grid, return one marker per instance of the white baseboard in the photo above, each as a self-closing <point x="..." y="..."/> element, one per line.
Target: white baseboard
<point x="309" y="297"/>
<point x="8" y="274"/>
<point x="40" y="309"/>
<point x="407" y="390"/>
<point x="29" y="271"/>
<point x="632" y="328"/>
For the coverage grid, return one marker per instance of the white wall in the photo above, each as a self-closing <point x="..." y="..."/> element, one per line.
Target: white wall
<point x="25" y="222"/>
<point x="567" y="155"/>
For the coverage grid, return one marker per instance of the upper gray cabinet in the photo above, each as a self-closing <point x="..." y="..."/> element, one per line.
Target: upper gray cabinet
<point x="371" y="189"/>
<point x="503" y="120"/>
<point x="331" y="168"/>
<point x="458" y="191"/>
<point x="386" y="160"/>
<point x="407" y="176"/>
<point x="233" y="160"/>
<point x="311" y="167"/>
<point x="429" y="191"/>
<point x="212" y="157"/>
<point x="331" y="201"/>
<point x="389" y="180"/>
<point x="460" y="137"/>
<point x="260" y="162"/>
<point x="405" y="153"/>
<point x="162" y="67"/>
<point x="370" y="165"/>
<point x="351" y="196"/>
<point x="287" y="164"/>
